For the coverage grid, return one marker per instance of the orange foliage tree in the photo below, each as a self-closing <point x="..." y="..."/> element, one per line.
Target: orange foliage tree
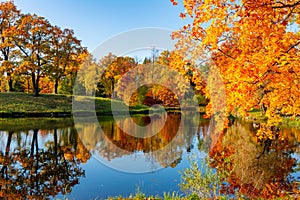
<point x="165" y="81"/>
<point x="254" y="46"/>
<point x="31" y="47"/>
<point x="114" y="71"/>
<point x="31" y="36"/>
<point x="63" y="55"/>
<point x="162" y="84"/>
<point x="255" y="169"/>
<point x="9" y="14"/>
<point x="176" y="62"/>
<point x="191" y="73"/>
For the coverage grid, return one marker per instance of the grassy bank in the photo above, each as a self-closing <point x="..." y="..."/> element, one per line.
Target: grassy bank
<point x="257" y="116"/>
<point x="14" y="104"/>
<point x="17" y="105"/>
<point x="24" y="124"/>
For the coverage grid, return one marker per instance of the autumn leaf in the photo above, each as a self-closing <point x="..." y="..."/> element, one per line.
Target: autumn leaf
<point x="253" y="50"/>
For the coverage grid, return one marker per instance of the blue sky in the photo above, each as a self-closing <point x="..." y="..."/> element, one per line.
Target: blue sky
<point x="96" y="21"/>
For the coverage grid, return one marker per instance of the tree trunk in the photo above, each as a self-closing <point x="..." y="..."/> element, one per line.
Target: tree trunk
<point x="112" y="89"/>
<point x="28" y="86"/>
<point x="36" y="91"/>
<point x="10" y="83"/>
<point x="56" y="86"/>
<point x="35" y="83"/>
<point x="34" y="142"/>
<point x="7" y="149"/>
<point x="263" y="108"/>
<point x="55" y="146"/>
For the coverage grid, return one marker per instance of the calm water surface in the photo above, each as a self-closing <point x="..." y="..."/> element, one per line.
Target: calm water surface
<point x="57" y="159"/>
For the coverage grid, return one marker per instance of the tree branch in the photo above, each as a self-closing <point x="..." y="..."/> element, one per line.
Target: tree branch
<point x="226" y="54"/>
<point x="286" y="5"/>
<point x="293" y="46"/>
<point x="21" y="48"/>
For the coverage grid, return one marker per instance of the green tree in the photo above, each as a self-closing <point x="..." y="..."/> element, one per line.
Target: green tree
<point x="147" y="60"/>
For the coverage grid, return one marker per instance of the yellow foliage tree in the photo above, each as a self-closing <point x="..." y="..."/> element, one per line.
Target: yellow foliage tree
<point x="254" y="46"/>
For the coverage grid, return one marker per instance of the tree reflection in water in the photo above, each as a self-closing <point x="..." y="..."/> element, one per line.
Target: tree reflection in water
<point x="40" y="163"/>
<point x="164" y="148"/>
<point x="36" y="164"/>
<point x="255" y="169"/>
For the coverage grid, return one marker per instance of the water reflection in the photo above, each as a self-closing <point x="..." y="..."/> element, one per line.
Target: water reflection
<point x="256" y="169"/>
<point x="40" y="163"/>
<point x="158" y="151"/>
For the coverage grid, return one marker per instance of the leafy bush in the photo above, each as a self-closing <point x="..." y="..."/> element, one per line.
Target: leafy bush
<point x="203" y="182"/>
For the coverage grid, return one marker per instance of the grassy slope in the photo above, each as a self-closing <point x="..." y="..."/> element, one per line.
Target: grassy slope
<point x="20" y="102"/>
<point x="25" y="124"/>
<point x="13" y="102"/>
<point x="50" y="103"/>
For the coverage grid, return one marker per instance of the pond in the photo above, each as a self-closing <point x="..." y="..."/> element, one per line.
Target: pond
<point x="56" y="158"/>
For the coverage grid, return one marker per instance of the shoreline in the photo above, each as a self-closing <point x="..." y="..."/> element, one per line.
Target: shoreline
<point x="68" y="114"/>
<point x="24" y="105"/>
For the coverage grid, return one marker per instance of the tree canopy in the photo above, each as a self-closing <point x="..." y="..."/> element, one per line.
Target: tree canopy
<point x="32" y="48"/>
<point x="254" y="47"/>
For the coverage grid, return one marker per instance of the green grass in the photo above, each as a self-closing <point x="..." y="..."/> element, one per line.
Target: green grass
<point x="24" y="124"/>
<point x="291" y="123"/>
<point x="13" y="104"/>
<point x="256" y="115"/>
<point x="21" y="102"/>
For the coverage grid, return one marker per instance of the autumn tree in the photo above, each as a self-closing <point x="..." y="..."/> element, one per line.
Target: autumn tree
<point x="31" y="47"/>
<point x="9" y="14"/>
<point x="164" y="58"/>
<point x="32" y="38"/>
<point x="164" y="85"/>
<point x="63" y="55"/>
<point x="88" y="75"/>
<point x="114" y="68"/>
<point x="186" y="69"/>
<point x="183" y="67"/>
<point x="156" y="70"/>
<point x="255" y="49"/>
<point x="33" y="171"/>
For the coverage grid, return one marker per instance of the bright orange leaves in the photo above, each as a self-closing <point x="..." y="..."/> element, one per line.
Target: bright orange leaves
<point x="254" y="46"/>
<point x="32" y="48"/>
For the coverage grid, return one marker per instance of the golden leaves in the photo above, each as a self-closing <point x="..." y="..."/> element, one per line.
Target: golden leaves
<point x="254" y="50"/>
